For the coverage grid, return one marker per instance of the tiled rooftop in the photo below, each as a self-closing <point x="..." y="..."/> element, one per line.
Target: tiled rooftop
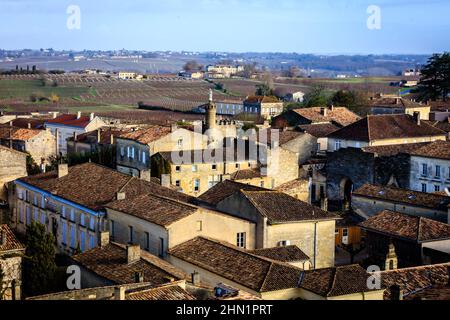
<point x="412" y="228"/>
<point x="225" y="189"/>
<point x="148" y="135"/>
<point x="70" y="120"/>
<point x="18" y="133"/>
<point x="340" y="115"/>
<point x="12" y="243"/>
<point x="283" y="254"/>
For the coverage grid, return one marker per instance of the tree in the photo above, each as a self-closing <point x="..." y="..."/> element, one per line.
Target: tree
<point x="32" y="167"/>
<point x="354" y="100"/>
<point x="192" y="66"/>
<point x="39" y="263"/>
<point x="316" y="98"/>
<point x="265" y="89"/>
<point x="54" y="98"/>
<point x="435" y="79"/>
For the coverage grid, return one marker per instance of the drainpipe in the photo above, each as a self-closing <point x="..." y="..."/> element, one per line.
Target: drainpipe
<point x="315" y="244"/>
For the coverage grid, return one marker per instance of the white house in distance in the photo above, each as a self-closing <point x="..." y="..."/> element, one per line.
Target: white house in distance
<point x="68" y="125"/>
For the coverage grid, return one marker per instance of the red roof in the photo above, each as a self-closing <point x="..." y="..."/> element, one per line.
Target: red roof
<point x="71" y="120"/>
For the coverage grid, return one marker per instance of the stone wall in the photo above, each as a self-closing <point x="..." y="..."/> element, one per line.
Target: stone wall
<point x="12" y="166"/>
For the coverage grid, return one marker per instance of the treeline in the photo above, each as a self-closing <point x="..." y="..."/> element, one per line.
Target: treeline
<point x="33" y="70"/>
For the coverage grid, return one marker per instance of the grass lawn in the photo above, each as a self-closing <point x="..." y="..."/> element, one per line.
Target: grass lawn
<point x="24" y="88"/>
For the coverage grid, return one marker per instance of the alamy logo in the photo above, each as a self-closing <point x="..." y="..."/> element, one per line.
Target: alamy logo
<point x="374" y="19"/>
<point x="374" y="280"/>
<point x="74" y="280"/>
<point x="74" y="19"/>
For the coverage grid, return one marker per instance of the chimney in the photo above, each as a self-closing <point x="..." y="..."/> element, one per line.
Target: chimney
<point x="55" y="114"/>
<point x="79" y="115"/>
<point x="332" y="107"/>
<point x="120" y="196"/>
<point x="324" y="204"/>
<point x="397" y="100"/>
<point x="119" y="293"/>
<point x="174" y="128"/>
<point x="416" y="117"/>
<point x="2" y="237"/>
<point x="111" y="137"/>
<point x="104" y="239"/>
<point x="323" y="111"/>
<point x="99" y="136"/>
<point x="264" y="171"/>
<point x="396" y="293"/>
<point x="10" y="123"/>
<point x="165" y="180"/>
<point x="29" y="125"/>
<point x="133" y="253"/>
<point x="195" y="278"/>
<point x="139" y="277"/>
<point x="63" y="170"/>
<point x="145" y="175"/>
<point x="91" y="116"/>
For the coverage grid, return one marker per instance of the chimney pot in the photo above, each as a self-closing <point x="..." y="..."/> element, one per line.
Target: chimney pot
<point x="133" y="253"/>
<point x="63" y="170"/>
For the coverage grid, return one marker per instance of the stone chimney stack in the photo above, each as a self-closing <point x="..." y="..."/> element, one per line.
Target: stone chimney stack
<point x="99" y="136"/>
<point x="29" y="125"/>
<point x="78" y="114"/>
<point x="139" y="277"/>
<point x="195" y="278"/>
<point x="324" y="204"/>
<point x="145" y="175"/>
<point x="91" y="116"/>
<point x="165" y="180"/>
<point x="332" y="107"/>
<point x="323" y="111"/>
<point x="133" y="253"/>
<point x="104" y="239"/>
<point x="120" y="196"/>
<point x="63" y="170"/>
<point x="174" y="127"/>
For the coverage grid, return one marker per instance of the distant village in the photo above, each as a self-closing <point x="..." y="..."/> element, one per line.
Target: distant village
<point x="264" y="198"/>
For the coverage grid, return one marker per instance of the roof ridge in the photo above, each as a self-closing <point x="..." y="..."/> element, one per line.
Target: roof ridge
<point x="266" y="276"/>
<point x="334" y="271"/>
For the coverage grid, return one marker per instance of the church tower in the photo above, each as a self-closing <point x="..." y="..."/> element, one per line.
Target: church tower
<point x="211" y="111"/>
<point x="391" y="259"/>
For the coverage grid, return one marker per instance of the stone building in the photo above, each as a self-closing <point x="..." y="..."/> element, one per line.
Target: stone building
<point x="158" y="224"/>
<point x="321" y="132"/>
<point x="398" y="105"/>
<point x="417" y="240"/>
<point x="384" y="130"/>
<point x="264" y="106"/>
<point x="70" y="202"/>
<point x="13" y="165"/>
<point x="40" y="144"/>
<point x="11" y="252"/>
<point x="135" y="149"/>
<point x="371" y="199"/>
<point x="66" y="126"/>
<point x="101" y="139"/>
<point x="283" y="220"/>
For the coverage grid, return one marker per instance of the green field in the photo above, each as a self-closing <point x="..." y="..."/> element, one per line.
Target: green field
<point x="24" y="88"/>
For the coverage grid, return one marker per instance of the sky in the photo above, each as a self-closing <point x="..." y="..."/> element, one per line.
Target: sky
<point x="303" y="26"/>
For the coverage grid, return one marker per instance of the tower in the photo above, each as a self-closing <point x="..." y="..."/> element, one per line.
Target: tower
<point x="211" y="111"/>
<point x="391" y="258"/>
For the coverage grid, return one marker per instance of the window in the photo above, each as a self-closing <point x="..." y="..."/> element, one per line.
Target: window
<point x="143" y="157"/>
<point x="64" y="233"/>
<point x="180" y="143"/>
<point x="122" y="152"/>
<point x="241" y="240"/>
<point x="261" y="184"/>
<point x="132" y="152"/>
<point x="130" y="234"/>
<point x="284" y="243"/>
<point x="438" y="171"/>
<point x="337" y="145"/>
<point x="36" y="214"/>
<point x="128" y="152"/>
<point x="20" y="214"/>
<point x="112" y="229"/>
<point x="424" y="187"/>
<point x="437" y="188"/>
<point x="92" y="224"/>
<point x="424" y="169"/>
<point x="63" y="211"/>
<point x="345" y="232"/>
<point x="178" y="183"/>
<point x="238" y="165"/>
<point x="196" y="185"/>
<point x="35" y="200"/>
<point x="147" y="241"/>
<point x="336" y="231"/>
<point x="318" y="147"/>
<point x="43" y="218"/>
<point x="194" y="168"/>
<point x="449" y="173"/>
<point x="214" y="166"/>
<point x="42" y="202"/>
<point x="82" y="241"/>
<point x="72" y="237"/>
<point x="199" y="225"/>
<point x="72" y="215"/>
<point x="91" y="241"/>
<point x="161" y="247"/>
<point x="178" y="168"/>
<point x="28" y="212"/>
<point x="82" y="220"/>
<point x="20" y="194"/>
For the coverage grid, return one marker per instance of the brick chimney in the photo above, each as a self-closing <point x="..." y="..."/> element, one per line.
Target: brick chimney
<point x="63" y="170"/>
<point x="133" y="253"/>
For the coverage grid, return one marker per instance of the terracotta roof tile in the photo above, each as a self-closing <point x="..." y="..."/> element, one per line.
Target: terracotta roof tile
<point x="412" y="228"/>
<point x="110" y="262"/>
<point x="340" y="115"/>
<point x="319" y="130"/>
<point x="12" y="243"/>
<point x="105" y="135"/>
<point x="237" y="265"/>
<point x="148" y="135"/>
<point x="436" y="149"/>
<point x="246" y="174"/>
<point x="225" y="189"/>
<point x="262" y="99"/>
<point x="18" y="133"/>
<point x="279" y="207"/>
<point x="70" y="120"/>
<point x="283" y="254"/>
<point x="336" y="281"/>
<point x="164" y="292"/>
<point x="392" y="126"/>
<point x="415" y="198"/>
